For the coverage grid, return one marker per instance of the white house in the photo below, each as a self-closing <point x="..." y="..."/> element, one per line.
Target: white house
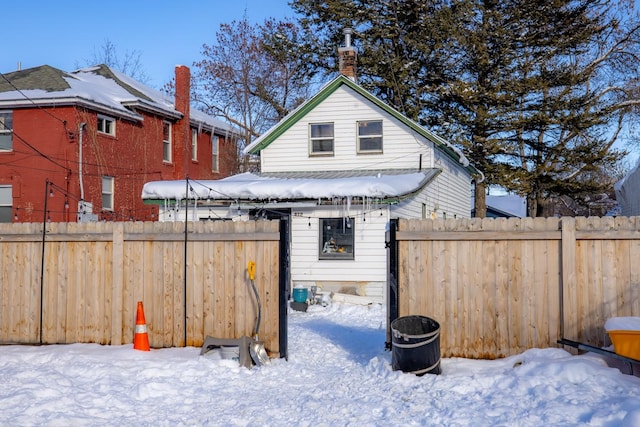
<point x="341" y="165"/>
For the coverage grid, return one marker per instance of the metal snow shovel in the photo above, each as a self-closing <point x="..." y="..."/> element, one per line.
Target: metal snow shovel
<point x="256" y="348"/>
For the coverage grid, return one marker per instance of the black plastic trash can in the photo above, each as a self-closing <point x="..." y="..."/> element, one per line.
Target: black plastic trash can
<point x="415" y="345"/>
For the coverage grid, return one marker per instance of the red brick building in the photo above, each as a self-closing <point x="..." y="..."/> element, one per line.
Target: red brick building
<point x="79" y="146"/>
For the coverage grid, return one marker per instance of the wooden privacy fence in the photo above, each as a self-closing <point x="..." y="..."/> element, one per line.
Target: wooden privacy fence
<point x="501" y="286"/>
<point x="84" y="283"/>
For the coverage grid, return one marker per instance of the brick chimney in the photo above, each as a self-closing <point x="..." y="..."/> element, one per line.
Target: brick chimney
<point x="347" y="57"/>
<point x="182" y="129"/>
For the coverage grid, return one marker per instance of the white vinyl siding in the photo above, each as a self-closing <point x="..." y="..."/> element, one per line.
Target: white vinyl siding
<point x="447" y="196"/>
<point x="344" y="108"/>
<point x="369" y="263"/>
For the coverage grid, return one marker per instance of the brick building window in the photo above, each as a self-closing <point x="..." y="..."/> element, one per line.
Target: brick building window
<point x="6" y="130"/>
<point x="106" y="125"/>
<point x="6" y="203"/>
<point x="107" y="193"/>
<point x="166" y="142"/>
<point x="194" y="144"/>
<point x="215" y="153"/>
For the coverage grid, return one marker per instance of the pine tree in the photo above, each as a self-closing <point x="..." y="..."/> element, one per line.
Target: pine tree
<point x="536" y="93"/>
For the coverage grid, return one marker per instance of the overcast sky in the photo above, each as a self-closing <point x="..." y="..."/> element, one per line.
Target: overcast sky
<point x="67" y="33"/>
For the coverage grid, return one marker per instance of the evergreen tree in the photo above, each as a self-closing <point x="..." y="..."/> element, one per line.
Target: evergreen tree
<point x="534" y="92"/>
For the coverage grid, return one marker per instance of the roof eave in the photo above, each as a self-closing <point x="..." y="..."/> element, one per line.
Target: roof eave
<point x="70" y="101"/>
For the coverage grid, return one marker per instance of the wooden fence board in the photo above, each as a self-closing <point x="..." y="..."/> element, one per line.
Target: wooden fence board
<point x="506" y="285"/>
<point x="96" y="273"/>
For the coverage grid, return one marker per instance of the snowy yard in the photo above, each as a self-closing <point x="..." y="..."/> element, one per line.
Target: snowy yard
<point x="338" y="374"/>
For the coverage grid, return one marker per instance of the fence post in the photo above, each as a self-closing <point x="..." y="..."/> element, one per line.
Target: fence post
<point x="392" y="278"/>
<point x="568" y="281"/>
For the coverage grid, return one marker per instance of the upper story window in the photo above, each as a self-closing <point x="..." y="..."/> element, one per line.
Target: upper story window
<point x="6" y="130"/>
<point x="106" y="125"/>
<point x="370" y="136"/>
<point x="107" y="193"/>
<point x="194" y="144"/>
<point x="336" y="238"/>
<point x="166" y="141"/>
<point x="215" y="154"/>
<point x="6" y="203"/>
<point x="321" y="138"/>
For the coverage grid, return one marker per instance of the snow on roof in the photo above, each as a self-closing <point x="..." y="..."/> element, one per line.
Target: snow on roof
<point x="249" y="186"/>
<point x="107" y="89"/>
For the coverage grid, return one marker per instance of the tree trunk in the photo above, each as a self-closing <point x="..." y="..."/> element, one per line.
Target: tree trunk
<point x="480" y="205"/>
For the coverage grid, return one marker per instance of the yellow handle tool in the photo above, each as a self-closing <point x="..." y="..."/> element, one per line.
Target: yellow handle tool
<point x="251" y="269"/>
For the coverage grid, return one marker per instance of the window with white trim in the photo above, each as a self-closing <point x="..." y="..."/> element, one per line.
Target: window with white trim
<point x="321" y="138"/>
<point x="107" y="193"/>
<point x="6" y="130"/>
<point x="194" y="144"/>
<point x="166" y="142"/>
<point x="370" y="136"/>
<point x="6" y="203"/>
<point x="215" y="153"/>
<point x="106" y="125"/>
<point x="336" y="238"/>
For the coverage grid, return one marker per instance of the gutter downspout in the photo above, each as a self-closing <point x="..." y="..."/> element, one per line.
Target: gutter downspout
<point x="80" y="129"/>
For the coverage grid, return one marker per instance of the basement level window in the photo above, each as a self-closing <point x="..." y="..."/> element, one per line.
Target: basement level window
<point x="106" y="125"/>
<point x="336" y="238"/>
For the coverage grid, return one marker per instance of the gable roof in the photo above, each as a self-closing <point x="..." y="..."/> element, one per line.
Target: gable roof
<point x="99" y="88"/>
<point x="296" y="115"/>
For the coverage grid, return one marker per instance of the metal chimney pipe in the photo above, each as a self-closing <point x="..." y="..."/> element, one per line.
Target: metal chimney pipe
<point x="347" y="36"/>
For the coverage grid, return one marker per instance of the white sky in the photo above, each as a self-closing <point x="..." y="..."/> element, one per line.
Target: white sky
<point x="66" y="33"/>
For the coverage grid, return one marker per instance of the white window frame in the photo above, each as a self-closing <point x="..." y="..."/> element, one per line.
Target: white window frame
<point x="194" y="144"/>
<point x="336" y="239"/>
<point x="319" y="139"/>
<point x="106" y="125"/>
<point x="9" y="127"/>
<point x="6" y="203"/>
<point x="215" y="153"/>
<point x="166" y="143"/>
<point x="108" y="191"/>
<point x="364" y="137"/>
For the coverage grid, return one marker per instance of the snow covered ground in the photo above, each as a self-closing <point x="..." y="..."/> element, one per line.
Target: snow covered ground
<point x="338" y="374"/>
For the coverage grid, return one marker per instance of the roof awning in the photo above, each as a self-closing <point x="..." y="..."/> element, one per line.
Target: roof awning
<point x="382" y="184"/>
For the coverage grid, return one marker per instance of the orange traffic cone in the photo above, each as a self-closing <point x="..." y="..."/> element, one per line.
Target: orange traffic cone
<point x="141" y="338"/>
